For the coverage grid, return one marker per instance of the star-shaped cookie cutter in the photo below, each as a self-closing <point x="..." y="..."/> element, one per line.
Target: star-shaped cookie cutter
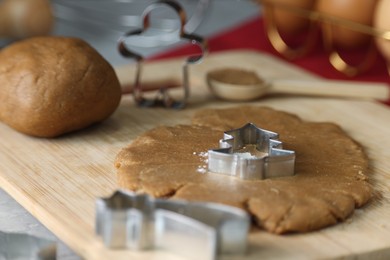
<point x="195" y="230"/>
<point x="162" y="99"/>
<point x="270" y="159"/>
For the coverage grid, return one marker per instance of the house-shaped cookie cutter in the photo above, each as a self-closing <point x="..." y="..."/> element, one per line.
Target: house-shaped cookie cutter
<point x="162" y="98"/>
<point x="272" y="161"/>
<point x="195" y="230"/>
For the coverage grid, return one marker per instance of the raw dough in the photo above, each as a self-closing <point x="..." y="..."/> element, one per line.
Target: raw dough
<point x="54" y="85"/>
<point x="330" y="181"/>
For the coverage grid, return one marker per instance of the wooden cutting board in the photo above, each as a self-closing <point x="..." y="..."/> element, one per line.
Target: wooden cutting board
<point x="58" y="180"/>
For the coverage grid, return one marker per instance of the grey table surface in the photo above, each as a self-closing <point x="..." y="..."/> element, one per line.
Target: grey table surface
<point x="220" y="16"/>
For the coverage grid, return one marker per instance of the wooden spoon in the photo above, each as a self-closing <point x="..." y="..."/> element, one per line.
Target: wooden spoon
<point x="242" y="85"/>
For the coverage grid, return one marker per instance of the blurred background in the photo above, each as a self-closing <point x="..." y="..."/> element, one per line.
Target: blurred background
<point x="102" y="22"/>
<point x="305" y="33"/>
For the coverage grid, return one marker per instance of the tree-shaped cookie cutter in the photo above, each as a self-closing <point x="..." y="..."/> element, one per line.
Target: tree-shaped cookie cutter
<point x="162" y="99"/>
<point x="270" y="161"/>
<point x="195" y="230"/>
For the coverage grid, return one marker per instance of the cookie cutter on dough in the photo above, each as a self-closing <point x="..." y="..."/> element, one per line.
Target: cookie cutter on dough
<point x="196" y="230"/>
<point x="162" y="98"/>
<point x="271" y="160"/>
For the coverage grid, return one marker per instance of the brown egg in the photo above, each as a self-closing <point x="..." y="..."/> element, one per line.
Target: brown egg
<point x="288" y="21"/>
<point x="21" y="18"/>
<point x="359" y="11"/>
<point x="382" y="22"/>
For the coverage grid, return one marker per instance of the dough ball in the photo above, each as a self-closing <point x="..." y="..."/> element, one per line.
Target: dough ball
<point x="55" y="85"/>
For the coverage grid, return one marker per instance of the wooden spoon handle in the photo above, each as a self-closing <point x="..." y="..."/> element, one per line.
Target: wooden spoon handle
<point x="332" y="88"/>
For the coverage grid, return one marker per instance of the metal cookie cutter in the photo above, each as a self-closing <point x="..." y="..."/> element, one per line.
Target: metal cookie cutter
<point x="195" y="230"/>
<point x="270" y="159"/>
<point x="162" y="99"/>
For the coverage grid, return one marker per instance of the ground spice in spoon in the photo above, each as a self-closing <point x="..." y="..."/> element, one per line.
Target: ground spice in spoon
<point x="235" y="76"/>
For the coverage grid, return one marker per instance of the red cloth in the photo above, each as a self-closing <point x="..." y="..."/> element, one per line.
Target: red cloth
<point x="251" y="35"/>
